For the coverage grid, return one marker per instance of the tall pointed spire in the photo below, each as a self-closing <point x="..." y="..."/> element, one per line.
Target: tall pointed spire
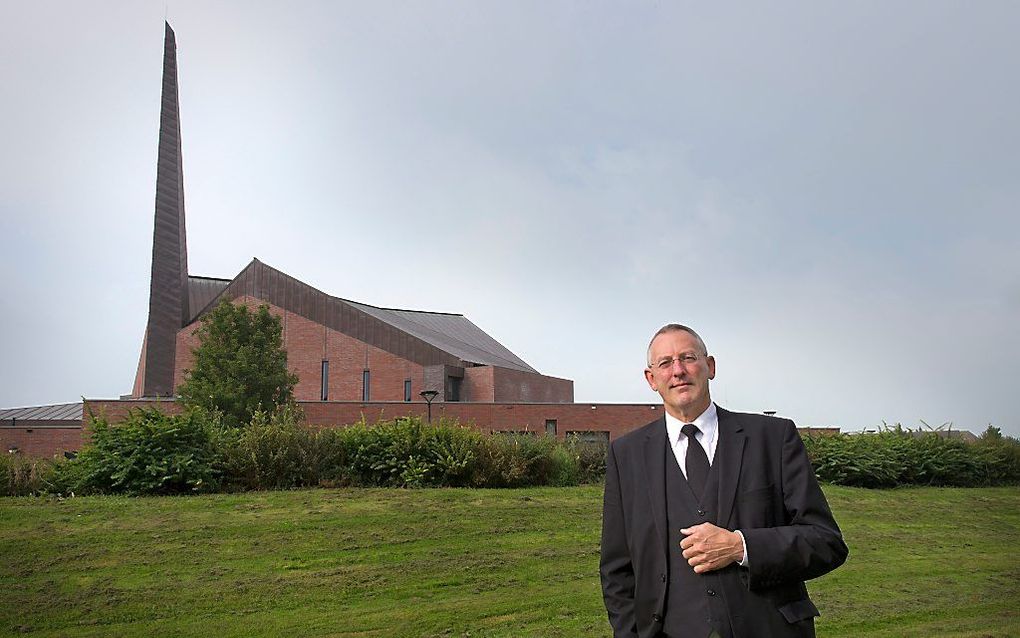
<point x="168" y="288"/>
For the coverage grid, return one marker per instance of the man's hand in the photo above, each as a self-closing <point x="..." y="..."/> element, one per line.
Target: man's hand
<point x="708" y="548"/>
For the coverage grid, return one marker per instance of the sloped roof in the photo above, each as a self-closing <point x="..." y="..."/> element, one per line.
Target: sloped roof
<point x="428" y="338"/>
<point x="202" y="291"/>
<point x="56" y="412"/>
<point x="455" y="334"/>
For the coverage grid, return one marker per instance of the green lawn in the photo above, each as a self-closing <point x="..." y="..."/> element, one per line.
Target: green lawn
<point x="457" y="562"/>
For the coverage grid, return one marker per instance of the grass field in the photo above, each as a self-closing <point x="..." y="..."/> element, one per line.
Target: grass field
<point x="505" y="563"/>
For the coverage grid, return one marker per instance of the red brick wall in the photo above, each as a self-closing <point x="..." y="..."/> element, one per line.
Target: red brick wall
<point x="478" y="384"/>
<point x="40" y="442"/>
<point x="309" y="343"/>
<point x="528" y="387"/>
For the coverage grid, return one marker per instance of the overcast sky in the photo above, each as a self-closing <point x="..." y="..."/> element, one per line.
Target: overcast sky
<point x="826" y="191"/>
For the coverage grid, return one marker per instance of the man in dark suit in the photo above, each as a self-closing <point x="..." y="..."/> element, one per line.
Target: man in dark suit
<point x="712" y="520"/>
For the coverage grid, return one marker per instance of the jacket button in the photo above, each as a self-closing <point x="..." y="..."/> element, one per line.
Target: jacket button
<point x="656" y="618"/>
<point x="663" y="577"/>
<point x="711" y="592"/>
<point x="701" y="513"/>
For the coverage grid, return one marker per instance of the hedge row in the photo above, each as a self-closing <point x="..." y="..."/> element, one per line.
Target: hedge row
<point x="900" y="457"/>
<point x="153" y="453"/>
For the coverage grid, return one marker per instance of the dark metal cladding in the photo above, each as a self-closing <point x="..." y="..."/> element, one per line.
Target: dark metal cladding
<point x="202" y="291"/>
<point x="169" y="302"/>
<point x="341" y="315"/>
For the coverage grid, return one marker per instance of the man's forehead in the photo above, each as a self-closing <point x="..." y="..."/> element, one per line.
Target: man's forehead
<point x="674" y="342"/>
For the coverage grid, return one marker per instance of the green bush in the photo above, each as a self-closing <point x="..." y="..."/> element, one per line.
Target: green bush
<point x="275" y="451"/>
<point x="26" y="476"/>
<point x="895" y="456"/>
<point x="517" y="460"/>
<point x="148" y="453"/>
<point x="590" y="457"/>
<point x="402" y="453"/>
<point x="1000" y="456"/>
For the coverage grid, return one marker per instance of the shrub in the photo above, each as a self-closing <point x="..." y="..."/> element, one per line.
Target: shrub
<point x="404" y="453"/>
<point x="515" y="460"/>
<point x="590" y="457"/>
<point x="149" y="453"/>
<point x="1000" y="456"/>
<point x="895" y="456"/>
<point x="275" y="451"/>
<point x="25" y="476"/>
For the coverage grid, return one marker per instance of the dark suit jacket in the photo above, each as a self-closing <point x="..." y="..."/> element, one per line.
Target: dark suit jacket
<point x="767" y="490"/>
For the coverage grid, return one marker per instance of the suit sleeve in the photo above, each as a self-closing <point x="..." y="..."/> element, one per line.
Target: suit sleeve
<point x="615" y="567"/>
<point x="808" y="543"/>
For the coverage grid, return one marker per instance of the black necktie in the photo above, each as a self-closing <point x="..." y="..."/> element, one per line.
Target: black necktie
<point x="697" y="460"/>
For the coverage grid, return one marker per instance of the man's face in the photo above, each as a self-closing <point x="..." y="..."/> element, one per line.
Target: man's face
<point x="683" y="385"/>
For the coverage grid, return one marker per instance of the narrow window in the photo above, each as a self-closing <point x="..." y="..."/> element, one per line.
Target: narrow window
<point x="453" y="388"/>
<point x="325" y="380"/>
<point x="550" y="427"/>
<point x="407" y="389"/>
<point x="366" y="381"/>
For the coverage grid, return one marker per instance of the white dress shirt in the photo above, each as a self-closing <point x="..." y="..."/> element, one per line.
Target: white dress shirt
<point x="708" y="436"/>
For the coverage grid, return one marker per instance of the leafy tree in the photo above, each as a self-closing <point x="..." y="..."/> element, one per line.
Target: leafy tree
<point x="240" y="364"/>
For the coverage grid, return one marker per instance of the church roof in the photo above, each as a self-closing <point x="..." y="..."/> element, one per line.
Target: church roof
<point x="453" y="333"/>
<point x="427" y="338"/>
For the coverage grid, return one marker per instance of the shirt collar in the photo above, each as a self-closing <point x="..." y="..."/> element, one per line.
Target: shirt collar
<point x="707" y="422"/>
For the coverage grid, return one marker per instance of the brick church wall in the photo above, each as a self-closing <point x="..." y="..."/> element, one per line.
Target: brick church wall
<point x="308" y="344"/>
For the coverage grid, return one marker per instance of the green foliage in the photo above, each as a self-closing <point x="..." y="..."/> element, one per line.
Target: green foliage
<point x="407" y="453"/>
<point x="1000" y="455"/>
<point x="895" y="456"/>
<point x="240" y="364"/>
<point x="149" y="453"/>
<point x="517" y="460"/>
<point x="590" y="457"/>
<point x="25" y="476"/>
<point x="275" y="451"/>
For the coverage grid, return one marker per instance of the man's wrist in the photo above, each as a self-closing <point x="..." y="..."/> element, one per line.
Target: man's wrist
<point x="741" y="551"/>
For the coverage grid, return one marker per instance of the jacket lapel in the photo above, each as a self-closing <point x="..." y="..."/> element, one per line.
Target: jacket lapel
<point x="655" y="448"/>
<point x="729" y="455"/>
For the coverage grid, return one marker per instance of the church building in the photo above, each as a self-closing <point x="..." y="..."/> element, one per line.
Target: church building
<point x="341" y="350"/>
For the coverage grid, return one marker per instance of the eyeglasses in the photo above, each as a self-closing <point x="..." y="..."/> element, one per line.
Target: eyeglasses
<point x="666" y="363"/>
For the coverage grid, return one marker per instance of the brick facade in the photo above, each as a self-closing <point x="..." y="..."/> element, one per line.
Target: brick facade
<point x="309" y="343"/>
<point x="40" y="442"/>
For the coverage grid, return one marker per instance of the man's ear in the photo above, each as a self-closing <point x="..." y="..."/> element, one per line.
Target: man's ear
<point x="650" y="378"/>
<point x="710" y="360"/>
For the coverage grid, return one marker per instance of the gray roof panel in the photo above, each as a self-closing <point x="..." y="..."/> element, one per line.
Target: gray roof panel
<point x="451" y="333"/>
<point x="56" y="412"/>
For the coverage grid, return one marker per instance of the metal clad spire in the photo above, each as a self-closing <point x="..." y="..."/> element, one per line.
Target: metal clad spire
<point x="168" y="288"/>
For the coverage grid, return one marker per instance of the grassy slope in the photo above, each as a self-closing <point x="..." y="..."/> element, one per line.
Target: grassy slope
<point x="924" y="562"/>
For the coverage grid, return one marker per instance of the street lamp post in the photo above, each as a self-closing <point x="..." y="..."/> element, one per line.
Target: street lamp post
<point x="428" y="395"/>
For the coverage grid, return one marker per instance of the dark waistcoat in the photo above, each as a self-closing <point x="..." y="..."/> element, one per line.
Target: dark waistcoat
<point x="695" y="603"/>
